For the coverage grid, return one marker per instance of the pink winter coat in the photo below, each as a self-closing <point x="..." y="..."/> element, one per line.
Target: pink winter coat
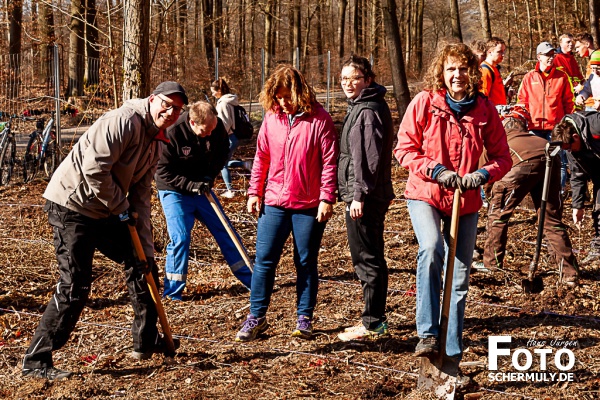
<point x="295" y="167"/>
<point x="430" y="134"/>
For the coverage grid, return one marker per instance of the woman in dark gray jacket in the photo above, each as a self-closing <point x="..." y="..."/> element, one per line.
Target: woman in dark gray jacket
<point x="365" y="185"/>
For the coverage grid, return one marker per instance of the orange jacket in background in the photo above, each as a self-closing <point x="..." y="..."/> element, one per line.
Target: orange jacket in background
<point x="492" y="85"/>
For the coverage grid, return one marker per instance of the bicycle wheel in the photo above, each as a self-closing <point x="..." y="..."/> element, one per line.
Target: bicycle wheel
<point x="7" y="161"/>
<point x="51" y="156"/>
<point x="31" y="161"/>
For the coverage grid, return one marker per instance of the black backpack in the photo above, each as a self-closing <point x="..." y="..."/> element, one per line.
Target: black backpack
<point x="243" y="126"/>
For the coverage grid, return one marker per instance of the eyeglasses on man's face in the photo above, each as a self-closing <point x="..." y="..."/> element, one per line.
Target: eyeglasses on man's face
<point x="167" y="106"/>
<point x="351" y="79"/>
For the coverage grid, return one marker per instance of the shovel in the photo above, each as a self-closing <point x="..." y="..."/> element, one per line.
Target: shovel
<point x="533" y="283"/>
<point x="236" y="241"/>
<point x="162" y="316"/>
<point x="438" y="373"/>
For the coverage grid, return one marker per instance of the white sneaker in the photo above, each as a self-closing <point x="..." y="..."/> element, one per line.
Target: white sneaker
<point x="228" y="194"/>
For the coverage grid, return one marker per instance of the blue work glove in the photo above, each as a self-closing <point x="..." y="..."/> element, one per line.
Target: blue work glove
<point x="473" y="180"/>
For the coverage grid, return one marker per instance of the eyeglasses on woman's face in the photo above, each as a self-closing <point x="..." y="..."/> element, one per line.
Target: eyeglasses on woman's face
<point x="351" y="79"/>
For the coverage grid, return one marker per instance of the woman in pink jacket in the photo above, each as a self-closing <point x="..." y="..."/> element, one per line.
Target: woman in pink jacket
<point x="443" y="133"/>
<point x="293" y="188"/>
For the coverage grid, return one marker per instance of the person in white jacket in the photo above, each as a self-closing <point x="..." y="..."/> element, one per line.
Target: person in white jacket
<point x="225" y="103"/>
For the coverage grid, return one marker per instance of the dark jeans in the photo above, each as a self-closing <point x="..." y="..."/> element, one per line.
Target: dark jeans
<point x="274" y="227"/>
<point x="76" y="237"/>
<point x="507" y="194"/>
<point x="365" y="237"/>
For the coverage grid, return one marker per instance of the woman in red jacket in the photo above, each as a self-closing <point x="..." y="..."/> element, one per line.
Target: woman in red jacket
<point x="293" y="188"/>
<point x="444" y="131"/>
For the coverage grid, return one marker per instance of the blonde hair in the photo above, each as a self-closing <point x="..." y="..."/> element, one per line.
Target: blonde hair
<point x="434" y="79"/>
<point x="303" y="96"/>
<point x="201" y="110"/>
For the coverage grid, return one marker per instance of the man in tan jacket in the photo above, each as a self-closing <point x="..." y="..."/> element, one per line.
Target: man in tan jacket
<point x="90" y="199"/>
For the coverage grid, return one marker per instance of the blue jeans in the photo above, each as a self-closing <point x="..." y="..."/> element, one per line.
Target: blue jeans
<point x="431" y="262"/>
<point x="181" y="212"/>
<point x="233" y="144"/>
<point x="274" y="226"/>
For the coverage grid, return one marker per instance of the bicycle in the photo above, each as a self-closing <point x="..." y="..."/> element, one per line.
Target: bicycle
<point x="8" y="149"/>
<point x="42" y="150"/>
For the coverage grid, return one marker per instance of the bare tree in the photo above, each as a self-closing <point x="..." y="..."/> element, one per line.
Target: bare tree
<point x="392" y="32"/>
<point x="136" y="27"/>
<point x="296" y="31"/>
<point x="594" y="26"/>
<point x="342" y="5"/>
<point x="15" y="20"/>
<point x="455" y="17"/>
<point x="76" y="49"/>
<point x="485" y="19"/>
<point x="268" y="42"/>
<point x="181" y="33"/>
<point x="46" y="24"/>
<point x="92" y="52"/>
<point x="419" y="35"/>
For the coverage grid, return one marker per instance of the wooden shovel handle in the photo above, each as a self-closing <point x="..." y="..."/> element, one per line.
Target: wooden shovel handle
<point x="236" y="241"/>
<point x="449" y="272"/>
<point x="162" y="316"/>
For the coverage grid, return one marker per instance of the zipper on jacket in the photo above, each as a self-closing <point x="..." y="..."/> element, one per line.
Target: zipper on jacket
<point x="285" y="152"/>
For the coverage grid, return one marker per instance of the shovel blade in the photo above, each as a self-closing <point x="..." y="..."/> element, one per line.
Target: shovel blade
<point x="534" y="285"/>
<point x="438" y="377"/>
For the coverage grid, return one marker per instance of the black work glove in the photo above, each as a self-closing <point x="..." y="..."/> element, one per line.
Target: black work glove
<point x="448" y="179"/>
<point x="201" y="187"/>
<point x="129" y="217"/>
<point x="473" y="180"/>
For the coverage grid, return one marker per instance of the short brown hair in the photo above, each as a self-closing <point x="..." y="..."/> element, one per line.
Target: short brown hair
<point x="478" y="46"/>
<point x="285" y="75"/>
<point x="514" y="124"/>
<point x="201" y="110"/>
<point x="361" y="64"/>
<point x="585" y="37"/>
<point x="493" y="42"/>
<point x="563" y="132"/>
<point x="434" y="79"/>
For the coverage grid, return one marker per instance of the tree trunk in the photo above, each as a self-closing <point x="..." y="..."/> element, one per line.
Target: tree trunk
<point x="251" y="41"/>
<point x="320" y="48"/>
<point x="136" y="27"/>
<point x="76" y="49"/>
<point x="46" y="24"/>
<point x="485" y="20"/>
<point x="15" y="20"/>
<point x="530" y="31"/>
<point x="297" y="32"/>
<point x="539" y="19"/>
<point x="408" y="31"/>
<point x="92" y="71"/>
<point x="374" y="33"/>
<point x="217" y="24"/>
<point x="181" y="34"/>
<point x="207" y="20"/>
<point x="594" y="26"/>
<point x="342" y="5"/>
<point x="455" y="18"/>
<point x="268" y="42"/>
<point x="356" y="22"/>
<point x="392" y="32"/>
<point x="419" y="36"/>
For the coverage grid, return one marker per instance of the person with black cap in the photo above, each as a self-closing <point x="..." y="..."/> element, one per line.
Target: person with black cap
<point x="91" y="198"/>
<point x="527" y="177"/>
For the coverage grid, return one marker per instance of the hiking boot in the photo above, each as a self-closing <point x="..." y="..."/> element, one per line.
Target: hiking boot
<point x="359" y="332"/>
<point x="427" y="346"/>
<point x="252" y="328"/>
<point x="228" y="194"/>
<point x="50" y="373"/>
<point x="160" y="347"/>
<point x="303" y="327"/>
<point x="570" y="280"/>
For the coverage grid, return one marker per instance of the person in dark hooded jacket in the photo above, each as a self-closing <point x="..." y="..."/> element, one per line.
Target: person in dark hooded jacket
<point x="365" y="185"/>
<point x="580" y="134"/>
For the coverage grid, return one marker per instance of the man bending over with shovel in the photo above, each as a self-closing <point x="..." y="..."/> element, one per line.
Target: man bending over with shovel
<point x="91" y="199"/>
<point x="580" y="135"/>
<point x="527" y="176"/>
<point x="198" y="149"/>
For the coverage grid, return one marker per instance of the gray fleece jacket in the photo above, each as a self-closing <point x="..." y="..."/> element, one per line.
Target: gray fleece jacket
<point x="110" y="168"/>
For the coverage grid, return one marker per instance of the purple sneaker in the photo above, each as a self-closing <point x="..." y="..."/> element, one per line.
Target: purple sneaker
<point x="252" y="328"/>
<point x="303" y="327"/>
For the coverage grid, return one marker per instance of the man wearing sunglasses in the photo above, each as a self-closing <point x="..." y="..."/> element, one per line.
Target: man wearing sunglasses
<point x="91" y="198"/>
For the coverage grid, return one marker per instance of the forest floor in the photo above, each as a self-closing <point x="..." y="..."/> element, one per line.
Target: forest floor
<point x="210" y="364"/>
